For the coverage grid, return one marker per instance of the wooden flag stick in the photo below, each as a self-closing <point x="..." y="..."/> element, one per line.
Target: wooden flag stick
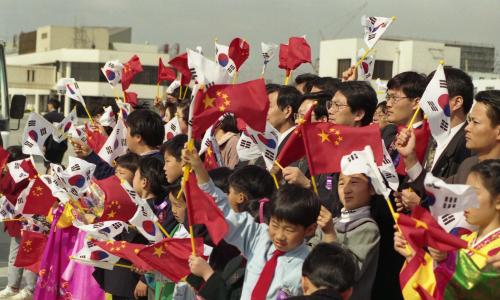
<point x="191" y="234"/>
<point x="88" y="114"/>
<point x="415" y="114"/>
<point x="395" y="218"/>
<point x="163" y="230"/>
<point x="185" y="92"/>
<point x="158" y="90"/>
<point x="275" y="181"/>
<point x="315" y="187"/>
<point x="363" y="57"/>
<point x="279" y="165"/>
<point x="288" y="77"/>
<point x="12" y="220"/>
<point x="235" y="77"/>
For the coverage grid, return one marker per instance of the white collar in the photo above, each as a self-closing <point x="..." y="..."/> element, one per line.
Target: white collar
<point x="285" y="134"/>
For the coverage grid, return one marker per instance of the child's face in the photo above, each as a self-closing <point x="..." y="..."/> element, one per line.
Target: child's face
<point x="182" y="123"/>
<point x="138" y="183"/>
<point x="355" y="191"/>
<point x="287" y="236"/>
<point x="178" y="207"/>
<point x="124" y="174"/>
<point x="489" y="206"/>
<point x="172" y="168"/>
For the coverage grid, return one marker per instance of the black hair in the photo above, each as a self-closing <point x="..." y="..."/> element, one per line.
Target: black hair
<point x="55" y="103"/>
<point x="220" y="177"/>
<point x="177" y="93"/>
<point x="272" y="87"/>
<point x="411" y="83"/>
<point x="383" y="106"/>
<point x="459" y="83"/>
<point x="228" y="124"/>
<point x="128" y="161"/>
<point x="15" y="153"/>
<point x="174" y="146"/>
<point x="489" y="171"/>
<point x="289" y="96"/>
<point x="304" y="78"/>
<point x="148" y="125"/>
<point x="491" y="99"/>
<point x="151" y="168"/>
<point x="321" y="99"/>
<point x="184" y="106"/>
<point x="254" y="181"/>
<point x="360" y="96"/>
<point x="175" y="188"/>
<point x="326" y="84"/>
<point x="330" y="266"/>
<point x="296" y="205"/>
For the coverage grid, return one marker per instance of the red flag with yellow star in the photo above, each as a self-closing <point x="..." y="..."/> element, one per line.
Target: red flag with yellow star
<point x="39" y="199"/>
<point x="170" y="256"/>
<point x="118" y="204"/>
<point x="293" y="149"/>
<point x="95" y="139"/>
<point x="326" y="143"/>
<point x="210" y="161"/>
<point x="30" y="250"/>
<point x="247" y="101"/>
<point x="130" y="69"/>
<point x="125" y="250"/>
<point x="165" y="73"/>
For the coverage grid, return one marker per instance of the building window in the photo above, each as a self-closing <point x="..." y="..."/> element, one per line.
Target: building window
<point x="342" y="65"/>
<point x="85" y="71"/>
<point x="382" y="69"/>
<point x="44" y="35"/>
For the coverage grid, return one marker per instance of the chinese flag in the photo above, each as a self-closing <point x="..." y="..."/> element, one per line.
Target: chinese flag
<point x="283" y="58"/>
<point x="201" y="209"/>
<point x="210" y="160"/>
<point x="4" y="156"/>
<point x="130" y="69"/>
<point x="125" y="250"/>
<point x="131" y="97"/>
<point x="117" y="202"/>
<point x="30" y="250"/>
<point x="10" y="188"/>
<point x="417" y="277"/>
<point x="180" y="63"/>
<point x="239" y="51"/>
<point x="294" y="149"/>
<point x="28" y="167"/>
<point x="170" y="256"/>
<point x="326" y="143"/>
<point x="165" y="73"/>
<point x="39" y="199"/>
<point x="95" y="139"/>
<point x="299" y="52"/>
<point x="246" y="100"/>
<point x="422" y="135"/>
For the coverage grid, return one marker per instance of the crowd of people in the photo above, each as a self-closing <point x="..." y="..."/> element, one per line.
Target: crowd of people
<point x="290" y="243"/>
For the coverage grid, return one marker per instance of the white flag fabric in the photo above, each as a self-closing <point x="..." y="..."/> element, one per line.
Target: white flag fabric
<point x="56" y="186"/>
<point x="246" y="148"/>
<point x="62" y="130"/>
<point x="172" y="128"/>
<point x="131" y="192"/>
<point x="145" y="221"/>
<point x="363" y="162"/>
<point x="210" y="142"/>
<point x="436" y="105"/>
<point x="268" y="51"/>
<point x="455" y="224"/>
<point x="444" y="198"/>
<point x="388" y="170"/>
<point x="16" y="171"/>
<point x="108" y="117"/>
<point x="78" y="133"/>
<point x="125" y="109"/>
<point x="76" y="177"/>
<point x="95" y="256"/>
<point x="174" y="85"/>
<point x="365" y="69"/>
<point x="223" y="59"/>
<point x="205" y="71"/>
<point x="7" y="210"/>
<point x="266" y="142"/>
<point x="71" y="88"/>
<point x="102" y="230"/>
<point x="21" y="199"/>
<point x="35" y="133"/>
<point x="116" y="144"/>
<point x="112" y="70"/>
<point x="374" y="28"/>
<point x="381" y="88"/>
<point x="32" y="224"/>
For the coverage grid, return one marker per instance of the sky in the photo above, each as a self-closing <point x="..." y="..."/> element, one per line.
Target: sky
<point x="199" y="22"/>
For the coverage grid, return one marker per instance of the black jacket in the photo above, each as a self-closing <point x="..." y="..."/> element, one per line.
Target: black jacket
<point x="323" y="294"/>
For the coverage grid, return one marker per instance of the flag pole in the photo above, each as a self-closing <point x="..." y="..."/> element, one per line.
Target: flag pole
<point x="88" y="114"/>
<point x="315" y="187"/>
<point x="279" y="165"/>
<point x="363" y="57"/>
<point x="395" y="218"/>
<point x="235" y="77"/>
<point x="158" y="90"/>
<point x="275" y="181"/>
<point x="185" y="92"/>
<point x="163" y="230"/>
<point x="288" y="77"/>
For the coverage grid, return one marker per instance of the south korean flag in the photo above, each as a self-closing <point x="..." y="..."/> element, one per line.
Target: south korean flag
<point x="266" y="142"/>
<point x="108" y="117"/>
<point x="444" y="198"/>
<point x="16" y="170"/>
<point x="116" y="144"/>
<point x="56" y="187"/>
<point x="63" y="129"/>
<point x="388" y="170"/>
<point x="36" y="132"/>
<point x="146" y="221"/>
<point x="374" y="28"/>
<point x="7" y="210"/>
<point x="172" y="128"/>
<point x="205" y="71"/>
<point x="93" y="255"/>
<point x="223" y="59"/>
<point x="363" y="162"/>
<point x="112" y="70"/>
<point x="76" y="177"/>
<point x="102" y="230"/>
<point x="365" y="69"/>
<point x="436" y="105"/>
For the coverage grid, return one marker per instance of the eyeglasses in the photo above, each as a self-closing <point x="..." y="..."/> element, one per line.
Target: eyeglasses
<point x="334" y="105"/>
<point x="389" y="97"/>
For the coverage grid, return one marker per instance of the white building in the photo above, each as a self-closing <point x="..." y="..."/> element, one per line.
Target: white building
<point x="54" y="52"/>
